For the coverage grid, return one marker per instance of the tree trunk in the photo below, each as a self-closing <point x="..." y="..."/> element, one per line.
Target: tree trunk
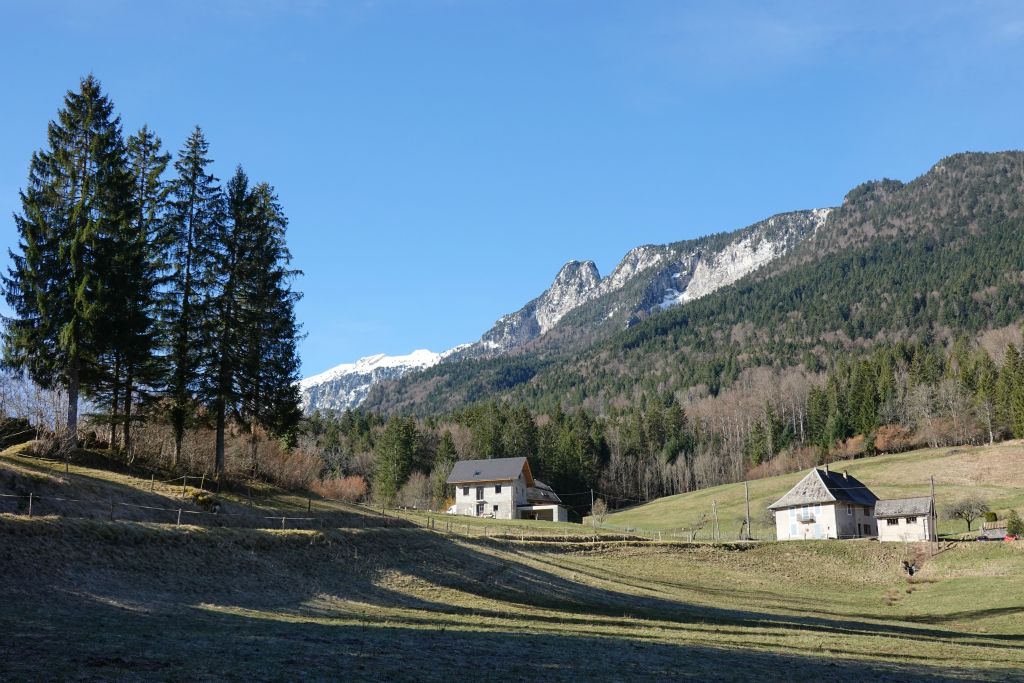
<point x="179" y="434"/>
<point x="126" y="430"/>
<point x="71" y="438"/>
<point x="114" y="401"/>
<point x="253" y="447"/>
<point x="218" y="461"/>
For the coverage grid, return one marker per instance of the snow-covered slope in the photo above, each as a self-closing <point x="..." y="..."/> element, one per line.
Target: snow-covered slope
<point x="346" y="385"/>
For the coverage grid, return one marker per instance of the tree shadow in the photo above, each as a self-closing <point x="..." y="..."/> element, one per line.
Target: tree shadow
<point x="406" y="588"/>
<point x="115" y="643"/>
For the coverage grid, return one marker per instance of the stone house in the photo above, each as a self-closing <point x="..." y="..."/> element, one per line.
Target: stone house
<point x="825" y="504"/>
<point x="503" y="488"/>
<point x="906" y="519"/>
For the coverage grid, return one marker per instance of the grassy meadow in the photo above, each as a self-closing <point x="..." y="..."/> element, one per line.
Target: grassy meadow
<point x="996" y="473"/>
<point x="384" y="599"/>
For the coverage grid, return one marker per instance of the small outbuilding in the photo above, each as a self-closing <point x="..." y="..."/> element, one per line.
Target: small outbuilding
<point x="906" y="519"/>
<point x="825" y="505"/>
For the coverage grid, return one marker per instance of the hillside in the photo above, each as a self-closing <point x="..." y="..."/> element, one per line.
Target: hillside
<point x="581" y="307"/>
<point x="938" y="257"/>
<point x="996" y="473"/>
<point x="101" y="599"/>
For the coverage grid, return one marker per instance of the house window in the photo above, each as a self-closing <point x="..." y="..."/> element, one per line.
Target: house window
<point x="497" y="488"/>
<point x="868" y="511"/>
<point x="479" y="492"/>
<point x="911" y="520"/>
<point x="495" y="508"/>
<point x="892" y="522"/>
<point x="465" y="490"/>
<point x="849" y="510"/>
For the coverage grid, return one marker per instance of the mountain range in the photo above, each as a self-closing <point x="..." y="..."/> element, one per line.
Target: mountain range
<point x="648" y="279"/>
<point x="939" y="258"/>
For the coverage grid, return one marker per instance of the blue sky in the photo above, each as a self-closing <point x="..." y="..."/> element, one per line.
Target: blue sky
<point x="439" y="161"/>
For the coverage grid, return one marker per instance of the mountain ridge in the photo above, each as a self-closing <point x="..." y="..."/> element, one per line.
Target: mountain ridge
<point x="648" y="278"/>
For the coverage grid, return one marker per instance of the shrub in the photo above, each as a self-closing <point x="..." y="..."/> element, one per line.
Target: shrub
<point x="991" y="516"/>
<point x="893" y="439"/>
<point x="350" y="489"/>
<point x="1014" y="524"/>
<point x="290" y="468"/>
<point x="416" y="492"/>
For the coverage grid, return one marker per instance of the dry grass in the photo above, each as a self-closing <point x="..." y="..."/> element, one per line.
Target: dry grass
<point x="140" y="601"/>
<point x="91" y="599"/>
<point x="996" y="473"/>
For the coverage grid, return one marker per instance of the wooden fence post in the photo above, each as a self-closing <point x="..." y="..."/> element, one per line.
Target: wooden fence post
<point x="111" y="510"/>
<point x="282" y="523"/>
<point x="179" y="517"/>
<point x="202" y="482"/>
<point x="184" y="483"/>
<point x="30" y="504"/>
<point x="152" y="483"/>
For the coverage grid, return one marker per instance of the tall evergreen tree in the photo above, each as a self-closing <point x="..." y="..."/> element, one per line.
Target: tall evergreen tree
<point x="268" y="371"/>
<point x="395" y="452"/>
<point x="196" y="224"/>
<point x="72" y="210"/>
<point x="221" y="364"/>
<point x="136" y="268"/>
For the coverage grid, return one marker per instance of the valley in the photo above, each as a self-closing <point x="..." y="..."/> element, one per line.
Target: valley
<point x="143" y="599"/>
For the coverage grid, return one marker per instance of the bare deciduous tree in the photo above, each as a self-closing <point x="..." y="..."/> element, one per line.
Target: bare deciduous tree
<point x="968" y="509"/>
<point x="598" y="512"/>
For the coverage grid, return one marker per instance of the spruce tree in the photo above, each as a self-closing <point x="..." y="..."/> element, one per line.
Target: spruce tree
<point x="135" y="268"/>
<point x="444" y="459"/>
<point x="268" y="369"/>
<point x="223" y="357"/>
<point x="195" y="225"/>
<point x="73" y="207"/>
<point x="395" y="452"/>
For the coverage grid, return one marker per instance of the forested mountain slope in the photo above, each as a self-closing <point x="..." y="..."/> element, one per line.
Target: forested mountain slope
<point x="938" y="257"/>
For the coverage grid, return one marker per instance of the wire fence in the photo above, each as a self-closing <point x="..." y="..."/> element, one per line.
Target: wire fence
<point x="33" y="505"/>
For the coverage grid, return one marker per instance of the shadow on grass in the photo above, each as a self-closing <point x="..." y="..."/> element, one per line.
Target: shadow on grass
<point x="115" y="643"/>
<point x="119" y="594"/>
<point x="78" y="495"/>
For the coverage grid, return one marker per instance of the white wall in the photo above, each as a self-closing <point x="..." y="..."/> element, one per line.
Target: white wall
<point x="513" y="493"/>
<point x="789" y="527"/>
<point x="903" y="530"/>
<point x="831" y="520"/>
<point x="853" y="525"/>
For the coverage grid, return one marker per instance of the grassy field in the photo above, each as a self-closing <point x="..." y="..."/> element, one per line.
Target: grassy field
<point x="994" y="472"/>
<point x="87" y="598"/>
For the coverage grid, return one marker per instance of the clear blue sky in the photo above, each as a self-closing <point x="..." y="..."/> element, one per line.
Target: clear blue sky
<point x="440" y="160"/>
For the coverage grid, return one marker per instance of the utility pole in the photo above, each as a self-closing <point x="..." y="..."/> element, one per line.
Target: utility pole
<point x="933" y="520"/>
<point x="714" y="520"/>
<point x="591" y="501"/>
<point x="746" y="498"/>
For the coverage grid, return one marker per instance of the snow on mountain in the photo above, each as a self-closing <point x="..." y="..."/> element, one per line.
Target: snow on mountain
<point x="647" y="279"/>
<point x="346" y="385"/>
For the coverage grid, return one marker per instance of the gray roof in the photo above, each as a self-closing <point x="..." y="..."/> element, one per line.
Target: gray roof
<point x="901" y="507"/>
<point x="542" y="494"/>
<point x="822" y="486"/>
<point x="494" y="469"/>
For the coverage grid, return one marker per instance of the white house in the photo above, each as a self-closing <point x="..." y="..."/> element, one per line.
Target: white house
<point x="503" y="488"/>
<point x="906" y="519"/>
<point x="825" y="505"/>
